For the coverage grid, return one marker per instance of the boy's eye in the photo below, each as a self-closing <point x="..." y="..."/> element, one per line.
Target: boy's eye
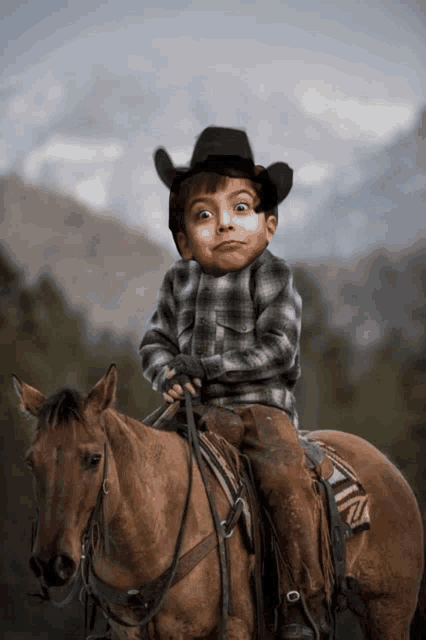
<point x="242" y="206"/>
<point x="204" y="214"/>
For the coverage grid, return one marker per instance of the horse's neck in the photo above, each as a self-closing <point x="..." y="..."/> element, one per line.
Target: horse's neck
<point x="151" y="468"/>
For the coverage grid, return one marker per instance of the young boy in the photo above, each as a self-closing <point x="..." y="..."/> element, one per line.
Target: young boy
<point x="227" y="328"/>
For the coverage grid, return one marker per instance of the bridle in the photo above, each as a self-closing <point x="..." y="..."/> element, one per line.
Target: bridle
<point x="98" y="513"/>
<point x="91" y="587"/>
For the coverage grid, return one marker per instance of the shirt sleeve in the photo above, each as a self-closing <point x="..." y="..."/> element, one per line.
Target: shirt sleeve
<point x="278" y="327"/>
<point x="160" y="345"/>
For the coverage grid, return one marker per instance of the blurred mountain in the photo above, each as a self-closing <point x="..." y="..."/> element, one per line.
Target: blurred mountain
<point x="110" y="270"/>
<point x="113" y="272"/>
<point x="383" y="296"/>
<point x="370" y="297"/>
<point x="377" y="201"/>
<point x="374" y="312"/>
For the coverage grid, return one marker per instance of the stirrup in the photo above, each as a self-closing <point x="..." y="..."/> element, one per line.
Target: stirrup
<point x="297" y="632"/>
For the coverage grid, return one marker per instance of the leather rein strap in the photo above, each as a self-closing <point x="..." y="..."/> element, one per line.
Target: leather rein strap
<point x="152" y="595"/>
<point x="132" y="599"/>
<point x="193" y="441"/>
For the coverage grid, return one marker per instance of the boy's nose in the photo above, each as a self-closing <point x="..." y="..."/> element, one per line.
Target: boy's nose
<point x="225" y="221"/>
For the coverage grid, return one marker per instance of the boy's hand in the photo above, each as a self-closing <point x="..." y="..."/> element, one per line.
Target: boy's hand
<point x="182" y="368"/>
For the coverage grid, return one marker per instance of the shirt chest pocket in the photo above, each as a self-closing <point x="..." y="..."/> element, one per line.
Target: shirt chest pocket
<point x="235" y="332"/>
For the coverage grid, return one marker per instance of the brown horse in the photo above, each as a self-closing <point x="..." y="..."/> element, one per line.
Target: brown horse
<point x="146" y="491"/>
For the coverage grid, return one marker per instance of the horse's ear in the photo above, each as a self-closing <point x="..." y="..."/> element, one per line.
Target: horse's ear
<point x="102" y="396"/>
<point x="32" y="400"/>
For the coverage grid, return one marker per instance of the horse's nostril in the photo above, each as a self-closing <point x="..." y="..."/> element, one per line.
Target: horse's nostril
<point x="37" y="566"/>
<point x="64" y="567"/>
<point x="55" y="571"/>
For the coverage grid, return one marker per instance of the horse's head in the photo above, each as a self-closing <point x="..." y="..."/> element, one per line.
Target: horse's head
<point x="68" y="460"/>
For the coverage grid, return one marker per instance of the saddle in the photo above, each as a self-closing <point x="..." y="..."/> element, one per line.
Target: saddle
<point x="331" y="473"/>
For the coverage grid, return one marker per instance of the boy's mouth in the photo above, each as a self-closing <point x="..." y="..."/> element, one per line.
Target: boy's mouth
<point x="229" y="244"/>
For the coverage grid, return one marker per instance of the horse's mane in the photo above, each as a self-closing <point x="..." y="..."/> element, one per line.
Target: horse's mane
<point x="61" y="408"/>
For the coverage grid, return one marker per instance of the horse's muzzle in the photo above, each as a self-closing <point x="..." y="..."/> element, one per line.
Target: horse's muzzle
<point x="56" y="570"/>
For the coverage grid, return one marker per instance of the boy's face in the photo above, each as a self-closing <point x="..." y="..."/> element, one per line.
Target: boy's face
<point x="223" y="231"/>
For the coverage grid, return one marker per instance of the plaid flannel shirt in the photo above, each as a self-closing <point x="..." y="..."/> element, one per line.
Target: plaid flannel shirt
<point x="245" y="326"/>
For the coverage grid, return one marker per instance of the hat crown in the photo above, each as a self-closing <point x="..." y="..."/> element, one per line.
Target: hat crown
<point x="221" y="141"/>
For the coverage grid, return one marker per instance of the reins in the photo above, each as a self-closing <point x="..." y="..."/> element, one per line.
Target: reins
<point x="132" y="598"/>
<point x="92" y="583"/>
<point x="220" y="533"/>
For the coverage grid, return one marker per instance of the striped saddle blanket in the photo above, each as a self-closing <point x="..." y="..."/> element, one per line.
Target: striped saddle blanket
<point x="351" y="499"/>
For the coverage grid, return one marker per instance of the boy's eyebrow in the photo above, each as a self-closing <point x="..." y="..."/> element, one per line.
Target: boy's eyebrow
<point x="247" y="191"/>
<point x="231" y="195"/>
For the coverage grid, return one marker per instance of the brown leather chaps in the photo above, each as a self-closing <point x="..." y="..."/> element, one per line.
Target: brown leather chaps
<point x="271" y="441"/>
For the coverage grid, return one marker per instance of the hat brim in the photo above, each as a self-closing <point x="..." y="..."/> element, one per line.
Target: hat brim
<point x="278" y="177"/>
<point x="164" y="166"/>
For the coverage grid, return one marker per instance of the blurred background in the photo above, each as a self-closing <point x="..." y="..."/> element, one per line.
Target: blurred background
<point x="89" y="90"/>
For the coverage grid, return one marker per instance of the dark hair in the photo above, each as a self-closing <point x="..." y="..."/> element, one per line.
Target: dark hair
<point x="208" y="180"/>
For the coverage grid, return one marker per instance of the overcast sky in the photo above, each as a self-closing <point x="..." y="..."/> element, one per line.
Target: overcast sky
<point x="90" y="88"/>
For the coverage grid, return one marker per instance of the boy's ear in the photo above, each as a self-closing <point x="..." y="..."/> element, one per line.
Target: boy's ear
<point x="271" y="227"/>
<point x="183" y="244"/>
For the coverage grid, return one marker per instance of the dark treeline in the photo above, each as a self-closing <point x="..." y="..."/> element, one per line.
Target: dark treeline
<point x="50" y="345"/>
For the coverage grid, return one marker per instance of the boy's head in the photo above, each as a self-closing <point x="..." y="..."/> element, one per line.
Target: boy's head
<point x="223" y="195"/>
<point x="221" y="228"/>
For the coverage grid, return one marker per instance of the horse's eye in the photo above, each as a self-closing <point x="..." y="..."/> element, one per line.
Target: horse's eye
<point x="29" y="463"/>
<point x="92" y="461"/>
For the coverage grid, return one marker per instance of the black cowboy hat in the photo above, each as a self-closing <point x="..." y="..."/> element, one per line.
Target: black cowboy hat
<point x="220" y="147"/>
